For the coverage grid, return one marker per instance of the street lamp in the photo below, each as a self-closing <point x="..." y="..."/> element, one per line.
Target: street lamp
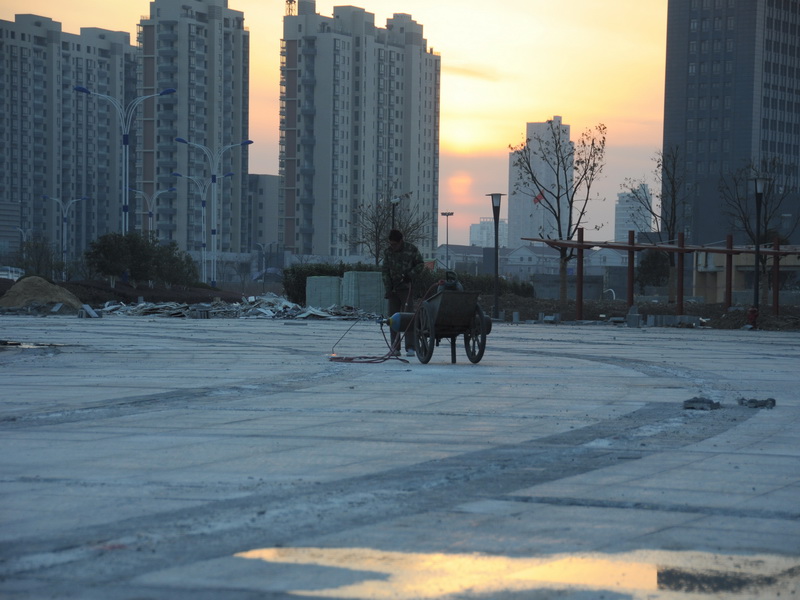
<point x="447" y="216"/>
<point x="150" y="202"/>
<point x="125" y="115"/>
<point x="64" y="213"/>
<point x="395" y="201"/>
<point x="496" y="213"/>
<point x="761" y="184"/>
<point x="263" y="263"/>
<point x="214" y="159"/>
<point x="202" y="188"/>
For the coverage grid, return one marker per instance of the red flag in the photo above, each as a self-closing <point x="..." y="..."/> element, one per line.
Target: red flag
<point x="539" y="198"/>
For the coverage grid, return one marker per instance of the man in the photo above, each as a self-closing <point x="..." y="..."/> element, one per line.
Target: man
<point x="402" y="262"/>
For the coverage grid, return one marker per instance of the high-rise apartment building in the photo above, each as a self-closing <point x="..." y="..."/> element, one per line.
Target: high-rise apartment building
<point x="201" y="49"/>
<point x="633" y="211"/>
<point x="732" y="99"/>
<point x="527" y="216"/>
<point x="57" y="149"/>
<point x="58" y="143"/>
<point x="359" y="124"/>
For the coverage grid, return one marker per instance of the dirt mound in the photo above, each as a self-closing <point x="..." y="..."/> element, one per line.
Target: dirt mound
<point x="37" y="291"/>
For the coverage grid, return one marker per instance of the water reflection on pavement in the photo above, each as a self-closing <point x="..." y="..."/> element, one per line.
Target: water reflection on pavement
<point x="654" y="575"/>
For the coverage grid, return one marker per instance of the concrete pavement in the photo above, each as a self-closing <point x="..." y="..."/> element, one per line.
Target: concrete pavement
<point x="230" y="458"/>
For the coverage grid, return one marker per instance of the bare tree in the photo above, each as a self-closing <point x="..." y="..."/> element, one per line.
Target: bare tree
<point x="38" y="256"/>
<point x="558" y="175"/>
<point x="738" y="192"/>
<point x="667" y="206"/>
<point x="663" y="200"/>
<point x="375" y="220"/>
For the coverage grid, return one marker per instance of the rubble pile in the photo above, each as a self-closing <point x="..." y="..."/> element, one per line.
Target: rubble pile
<point x="36" y="295"/>
<point x="269" y="306"/>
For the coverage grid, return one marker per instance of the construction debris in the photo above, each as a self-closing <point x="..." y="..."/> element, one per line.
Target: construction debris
<point x="87" y="312"/>
<point x="754" y="403"/>
<point x="34" y="295"/>
<point x="269" y="306"/>
<point x="700" y="403"/>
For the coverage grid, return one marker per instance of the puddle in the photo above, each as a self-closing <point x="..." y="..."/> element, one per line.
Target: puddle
<point x="24" y="345"/>
<point x="651" y="575"/>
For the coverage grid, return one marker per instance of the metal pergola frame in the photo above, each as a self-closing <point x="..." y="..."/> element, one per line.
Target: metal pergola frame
<point x="681" y="249"/>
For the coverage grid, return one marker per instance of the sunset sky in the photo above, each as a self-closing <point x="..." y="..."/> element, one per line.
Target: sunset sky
<point x="503" y="65"/>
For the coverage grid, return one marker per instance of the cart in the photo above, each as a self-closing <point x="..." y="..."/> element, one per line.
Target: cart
<point x="446" y="315"/>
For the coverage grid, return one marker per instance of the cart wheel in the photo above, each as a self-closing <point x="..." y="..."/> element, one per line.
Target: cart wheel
<point x="475" y="337"/>
<point x="423" y="334"/>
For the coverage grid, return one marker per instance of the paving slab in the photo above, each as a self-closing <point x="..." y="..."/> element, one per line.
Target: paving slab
<point x="151" y="457"/>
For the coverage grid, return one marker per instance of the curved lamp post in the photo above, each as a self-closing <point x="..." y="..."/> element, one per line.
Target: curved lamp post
<point x="64" y="212"/>
<point x="125" y="115"/>
<point x="202" y="188"/>
<point x="447" y="216"/>
<point x="395" y="201"/>
<point x="263" y="263"/>
<point x="150" y="202"/>
<point x="214" y="162"/>
<point x="496" y="214"/>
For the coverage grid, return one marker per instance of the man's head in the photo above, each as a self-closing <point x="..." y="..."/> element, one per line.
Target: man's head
<point x="395" y="239"/>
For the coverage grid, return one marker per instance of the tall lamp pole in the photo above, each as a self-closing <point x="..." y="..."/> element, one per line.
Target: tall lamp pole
<point x="395" y="201"/>
<point x="496" y="213"/>
<point x="214" y="162"/>
<point x="447" y="216"/>
<point x="761" y="184"/>
<point x="150" y="202"/>
<point x="64" y="213"/>
<point x="263" y="263"/>
<point x="125" y="115"/>
<point x="202" y="187"/>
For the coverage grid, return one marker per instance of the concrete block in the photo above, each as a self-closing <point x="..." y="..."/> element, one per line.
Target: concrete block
<point x="363" y="290"/>
<point x="633" y="320"/>
<point x="323" y="291"/>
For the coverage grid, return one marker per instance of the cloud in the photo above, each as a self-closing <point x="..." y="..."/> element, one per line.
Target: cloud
<point x="484" y="73"/>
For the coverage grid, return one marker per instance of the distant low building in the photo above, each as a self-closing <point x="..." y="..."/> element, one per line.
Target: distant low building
<point x="482" y="234"/>
<point x="462" y="259"/>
